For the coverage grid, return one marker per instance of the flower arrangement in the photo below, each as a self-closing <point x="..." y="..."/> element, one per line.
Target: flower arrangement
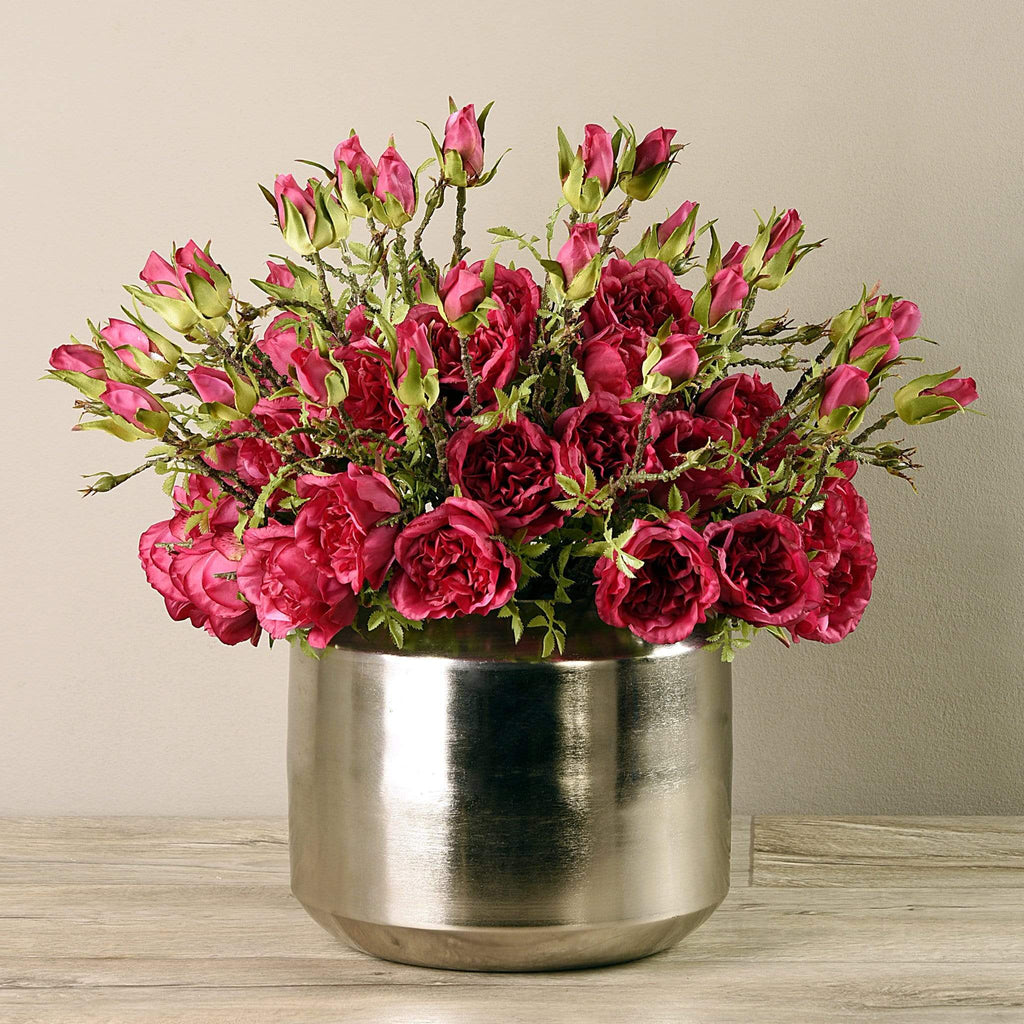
<point x="390" y="436"/>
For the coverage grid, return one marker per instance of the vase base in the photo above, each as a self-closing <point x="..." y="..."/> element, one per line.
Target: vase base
<point x="514" y="948"/>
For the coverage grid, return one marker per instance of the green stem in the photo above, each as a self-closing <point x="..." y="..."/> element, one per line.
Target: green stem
<point x="467" y="369"/>
<point x="460" y="226"/>
<point x="621" y="213"/>
<point x="325" y="293"/>
<point x="881" y="422"/>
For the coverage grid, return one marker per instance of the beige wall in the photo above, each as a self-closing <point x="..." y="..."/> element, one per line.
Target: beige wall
<point x="894" y="127"/>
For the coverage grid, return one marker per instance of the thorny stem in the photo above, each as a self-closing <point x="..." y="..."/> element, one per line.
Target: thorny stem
<point x="403" y="268"/>
<point x="620" y="214"/>
<point x="467" y="369"/>
<point x="881" y="422"/>
<point x="642" y="433"/>
<point x="460" y="226"/>
<point x="325" y="293"/>
<point x="435" y="198"/>
<point x="746" y="309"/>
<point x="440" y="443"/>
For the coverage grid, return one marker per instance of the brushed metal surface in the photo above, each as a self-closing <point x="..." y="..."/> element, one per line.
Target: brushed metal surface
<point x="465" y="804"/>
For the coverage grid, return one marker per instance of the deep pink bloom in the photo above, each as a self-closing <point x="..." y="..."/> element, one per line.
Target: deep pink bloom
<point x="763" y="570"/>
<point x="371" y="402"/>
<point x="741" y="401"/>
<point x="600" y="434"/>
<point x="350" y="153"/>
<point x="162" y="278"/>
<point x="462" y="135"/>
<point x="874" y="334"/>
<point x="676" y="220"/>
<point x="290" y="591"/>
<point x="642" y="295"/>
<point x="598" y="156"/>
<point x="511" y="471"/>
<point x="670" y="593"/>
<point x="124" y="338"/>
<point x="735" y="256"/>
<point x="845" y="386"/>
<point x="578" y="250"/>
<point x="654" y="149"/>
<point x="156" y="547"/>
<point x="190" y="259"/>
<point x="395" y="178"/>
<point x="518" y="297"/>
<point x="461" y="291"/>
<point x="784" y="229"/>
<point x="311" y="370"/>
<point x="449" y="564"/>
<point x="612" y="360"/>
<point x="905" y="315"/>
<point x="728" y="290"/>
<point x="340" y="526"/>
<point x="673" y="435"/>
<point x="844" y="561"/>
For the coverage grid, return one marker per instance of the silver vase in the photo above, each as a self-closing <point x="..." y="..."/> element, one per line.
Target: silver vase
<point x="465" y="804"/>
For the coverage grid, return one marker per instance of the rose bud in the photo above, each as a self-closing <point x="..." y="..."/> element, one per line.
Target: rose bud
<point x="349" y="155"/>
<point x="679" y="360"/>
<point x="598" y="156"/>
<point x="728" y="290"/>
<point x="845" y="392"/>
<point x="462" y="137"/>
<point x="735" y="256"/>
<point x="78" y="359"/>
<point x="782" y="231"/>
<point x="310" y="218"/>
<point x="167" y="295"/>
<point x="278" y="274"/>
<point x="672" y="224"/>
<point x="878" y="333"/>
<point x="395" y="189"/>
<point x="212" y="385"/>
<point x="131" y="344"/>
<point x="137" y="406"/>
<point x="906" y="318"/>
<point x="575" y="256"/>
<point x="461" y="291"/>
<point x="650" y="164"/>
<point x="934" y="397"/>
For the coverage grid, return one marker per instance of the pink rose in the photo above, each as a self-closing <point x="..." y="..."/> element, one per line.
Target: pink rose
<point x="518" y="297"/>
<point x="598" y="156"/>
<point x="279" y="274"/>
<point x="212" y="385"/>
<point x="128" y="401"/>
<point x="371" y="402"/>
<point x="679" y="360"/>
<point x="845" y="387"/>
<point x="290" y="591"/>
<point x="741" y="401"/>
<point x="674" y="222"/>
<point x="844" y="562"/>
<point x="278" y="415"/>
<point x="612" y="360"/>
<point x="449" y="564"/>
<point x="340" y="526"/>
<point x="511" y="471"/>
<point x="394" y="178"/>
<point x="874" y="334"/>
<point x="78" y="359"/>
<point x="905" y="315"/>
<point x="580" y="248"/>
<point x="202" y="494"/>
<point x="641" y="295"/>
<point x="493" y="352"/>
<point x="190" y="259"/>
<point x="676" y="433"/>
<point x="356" y="323"/>
<point x="162" y="278"/>
<point x="654" y="149"/>
<point x="782" y="231"/>
<point x="462" y="135"/>
<point x="156" y="546"/>
<point x="126" y="339"/>
<point x="728" y="290"/>
<point x="279" y="342"/>
<point x="287" y="188"/>
<point x="735" y="256"/>
<point x="670" y="593"/>
<point x="763" y="570"/>
<point x="311" y="370"/>
<point x="350" y="153"/>
<point x="601" y="434"/>
<point x="963" y="390"/>
<point x="461" y="291"/>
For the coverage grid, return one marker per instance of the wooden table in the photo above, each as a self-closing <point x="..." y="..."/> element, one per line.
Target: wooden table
<point x="829" y="919"/>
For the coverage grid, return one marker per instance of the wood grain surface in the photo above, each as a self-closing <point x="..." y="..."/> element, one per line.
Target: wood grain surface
<point x="831" y="919"/>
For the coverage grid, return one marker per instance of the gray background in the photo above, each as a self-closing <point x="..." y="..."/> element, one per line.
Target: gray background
<point x="895" y="128"/>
